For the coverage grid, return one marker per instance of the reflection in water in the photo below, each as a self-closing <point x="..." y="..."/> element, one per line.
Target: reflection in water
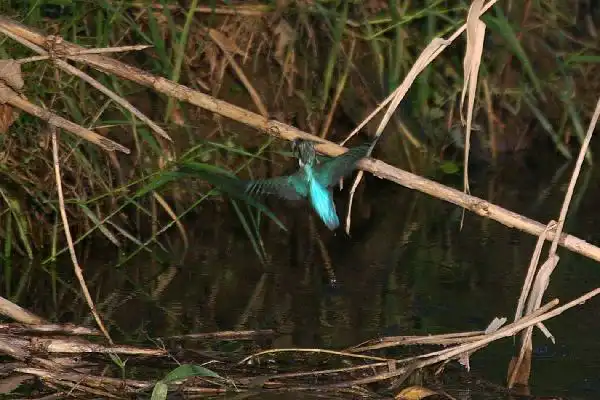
<point x="406" y="269"/>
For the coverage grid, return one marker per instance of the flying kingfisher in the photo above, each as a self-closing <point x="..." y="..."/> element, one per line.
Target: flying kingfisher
<point x="313" y="180"/>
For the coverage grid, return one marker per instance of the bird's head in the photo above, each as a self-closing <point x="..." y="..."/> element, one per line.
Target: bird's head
<point x="304" y="150"/>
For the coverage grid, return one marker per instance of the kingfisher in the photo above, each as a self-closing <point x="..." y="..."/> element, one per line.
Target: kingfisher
<point x="313" y="181"/>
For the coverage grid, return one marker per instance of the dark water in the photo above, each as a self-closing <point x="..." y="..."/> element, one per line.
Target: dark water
<point x="406" y="269"/>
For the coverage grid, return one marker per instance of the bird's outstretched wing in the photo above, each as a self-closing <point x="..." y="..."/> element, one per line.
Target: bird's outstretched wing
<point x="292" y="187"/>
<point x="332" y="170"/>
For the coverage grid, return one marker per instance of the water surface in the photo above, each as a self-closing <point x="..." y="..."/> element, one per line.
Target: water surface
<point x="407" y="268"/>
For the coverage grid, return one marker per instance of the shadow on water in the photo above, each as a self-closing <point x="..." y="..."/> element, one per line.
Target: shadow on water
<point x="406" y="269"/>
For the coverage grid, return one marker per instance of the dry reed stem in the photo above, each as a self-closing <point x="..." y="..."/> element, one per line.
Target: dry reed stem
<point x="83" y="382"/>
<point x="85" y="77"/>
<point x="102" y="50"/>
<point x="225" y="45"/>
<point x="442" y="353"/>
<point x="287" y="375"/>
<point x="394" y="341"/>
<point x="94" y="384"/>
<point x="575" y="176"/>
<point x="471" y="63"/>
<point x="433" y="49"/>
<point x="77" y="346"/>
<point x="117" y="382"/>
<point x="278" y="129"/>
<point x="341" y="85"/>
<point x="9" y="96"/>
<point x="513" y="328"/>
<point x="67" y="230"/>
<point x="535" y="258"/>
<point x="253" y="10"/>
<point x="400" y="374"/>
<point x="436" y="357"/>
<point x="475" y="342"/>
<point x="11" y="310"/>
<point x="57" y="329"/>
<point x="226" y="335"/>
<point x="8" y="347"/>
<point x="314" y="351"/>
<point x="540" y="284"/>
<point x="532" y="292"/>
<point x="182" y="232"/>
<point x="543" y="276"/>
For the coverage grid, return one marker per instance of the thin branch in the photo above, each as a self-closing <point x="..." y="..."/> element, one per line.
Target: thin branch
<point x="65" y="221"/>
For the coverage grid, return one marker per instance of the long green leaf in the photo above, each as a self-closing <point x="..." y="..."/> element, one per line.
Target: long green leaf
<point x="185" y="371"/>
<point x="332" y="61"/>
<point x="226" y="182"/>
<point x="160" y="391"/>
<point x="502" y="27"/>
<point x="221" y="179"/>
<point x="20" y="219"/>
<point x="252" y="234"/>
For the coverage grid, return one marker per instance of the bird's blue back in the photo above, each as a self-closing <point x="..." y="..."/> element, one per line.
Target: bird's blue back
<point x="321" y="200"/>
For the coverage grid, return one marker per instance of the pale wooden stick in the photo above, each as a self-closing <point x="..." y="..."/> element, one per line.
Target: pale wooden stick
<point x="11" y="310"/>
<point x="65" y="221"/>
<point x="65" y="66"/>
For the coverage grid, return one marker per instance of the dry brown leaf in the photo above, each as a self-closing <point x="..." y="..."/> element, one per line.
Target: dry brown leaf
<point x="162" y="21"/>
<point x="471" y="62"/>
<point x="465" y="360"/>
<point x="435" y="47"/>
<point x="177" y="116"/>
<point x="8" y="115"/>
<point x="6" y="93"/>
<point x="225" y="43"/>
<point x="228" y="47"/>
<point x="285" y="37"/>
<point x="10" y="73"/>
<point x="521" y="375"/>
<point x="414" y="393"/>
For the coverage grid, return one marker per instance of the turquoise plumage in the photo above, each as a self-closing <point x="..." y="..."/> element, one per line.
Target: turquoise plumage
<point x="313" y="181"/>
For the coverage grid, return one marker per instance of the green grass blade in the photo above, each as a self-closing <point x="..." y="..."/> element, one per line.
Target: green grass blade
<point x="7" y="264"/>
<point x="547" y="126"/>
<point x="185" y="371"/>
<point x="105" y="231"/>
<point x="160" y="391"/>
<point x="19" y="219"/>
<point x="252" y="235"/>
<point x="156" y="39"/>
<point x="179" y="49"/>
<point x="338" y="34"/>
<point x="501" y="26"/>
